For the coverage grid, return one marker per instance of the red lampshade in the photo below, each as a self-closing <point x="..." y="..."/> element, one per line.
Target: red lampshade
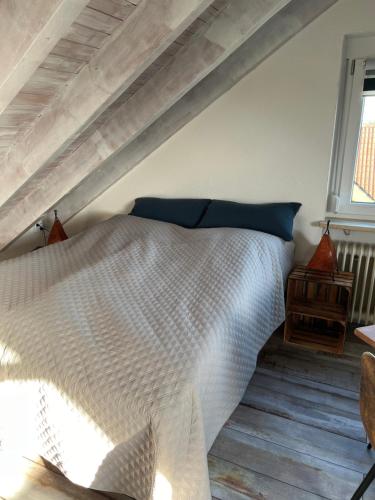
<point x="324" y="258"/>
<point x="57" y="232"/>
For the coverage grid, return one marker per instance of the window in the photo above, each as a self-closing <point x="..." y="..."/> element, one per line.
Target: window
<point x="352" y="187"/>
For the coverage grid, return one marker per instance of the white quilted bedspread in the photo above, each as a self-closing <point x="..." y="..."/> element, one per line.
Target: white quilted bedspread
<point x="124" y="349"/>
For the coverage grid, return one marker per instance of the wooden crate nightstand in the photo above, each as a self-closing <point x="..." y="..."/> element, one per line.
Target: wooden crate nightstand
<point x="317" y="309"/>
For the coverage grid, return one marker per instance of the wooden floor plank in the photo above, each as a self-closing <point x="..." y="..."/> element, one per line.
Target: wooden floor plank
<point x="356" y="349"/>
<point x="350" y="357"/>
<point x="320" y="386"/>
<point x="313" y="369"/>
<point x="298" y="409"/>
<point x="302" y="438"/>
<point x="298" y="389"/>
<point x="232" y="482"/>
<point x="286" y="465"/>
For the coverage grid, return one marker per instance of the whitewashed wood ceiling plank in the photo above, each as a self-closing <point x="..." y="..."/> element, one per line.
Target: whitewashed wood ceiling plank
<point x="98" y="21"/>
<point x="29" y="30"/>
<point x="46" y="89"/>
<point x="8" y="134"/>
<point x="62" y="63"/>
<point x="227" y="74"/>
<point x="23" y="98"/>
<point x="112" y="69"/>
<point x="73" y="50"/>
<point x="86" y="36"/>
<point x="16" y="118"/>
<point x="66" y="57"/>
<point x="161" y="61"/>
<point x="283" y="26"/>
<point x="115" y="8"/>
<point x="192" y="63"/>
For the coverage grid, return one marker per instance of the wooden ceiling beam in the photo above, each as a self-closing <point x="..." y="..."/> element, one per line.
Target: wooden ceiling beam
<point x="29" y="31"/>
<point x="275" y="33"/>
<point x="202" y="54"/>
<point x="152" y="27"/>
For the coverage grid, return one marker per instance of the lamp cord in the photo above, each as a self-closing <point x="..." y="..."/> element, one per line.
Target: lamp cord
<point x="44" y="231"/>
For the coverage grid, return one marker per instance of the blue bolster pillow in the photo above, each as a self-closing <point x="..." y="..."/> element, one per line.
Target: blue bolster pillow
<point x="272" y="218"/>
<point x="183" y="212"/>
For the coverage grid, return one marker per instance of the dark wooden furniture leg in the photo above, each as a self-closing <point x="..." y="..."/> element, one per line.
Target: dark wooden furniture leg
<point x="370" y="476"/>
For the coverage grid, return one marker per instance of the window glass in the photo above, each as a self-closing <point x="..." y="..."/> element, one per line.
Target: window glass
<point x="364" y="176"/>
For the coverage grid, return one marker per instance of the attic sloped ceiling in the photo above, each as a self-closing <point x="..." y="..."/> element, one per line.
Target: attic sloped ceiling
<point x="124" y="74"/>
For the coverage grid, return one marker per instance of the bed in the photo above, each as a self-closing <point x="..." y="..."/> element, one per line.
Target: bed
<point x="124" y="349"/>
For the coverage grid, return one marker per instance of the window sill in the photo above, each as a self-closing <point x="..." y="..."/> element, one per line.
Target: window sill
<point x="348" y="225"/>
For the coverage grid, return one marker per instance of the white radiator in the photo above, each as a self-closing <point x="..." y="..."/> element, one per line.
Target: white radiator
<point x="359" y="258"/>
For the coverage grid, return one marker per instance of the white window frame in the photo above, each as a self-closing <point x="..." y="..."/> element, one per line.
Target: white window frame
<point x="359" y="55"/>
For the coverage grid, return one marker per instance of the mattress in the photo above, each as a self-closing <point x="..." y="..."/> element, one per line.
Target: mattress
<point x="124" y="349"/>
